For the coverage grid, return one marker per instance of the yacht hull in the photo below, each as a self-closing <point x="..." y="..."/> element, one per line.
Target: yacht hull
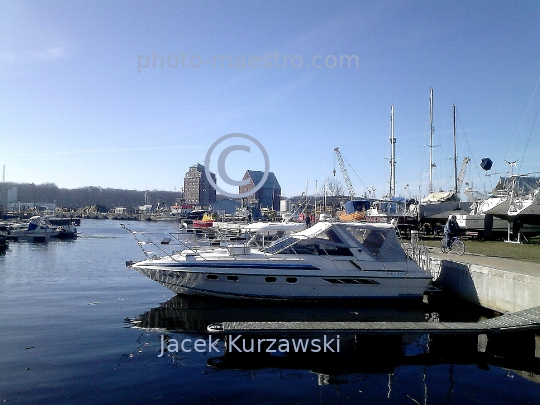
<point x="301" y="284"/>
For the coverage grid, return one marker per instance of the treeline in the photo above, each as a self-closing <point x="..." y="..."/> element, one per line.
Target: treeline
<point x="86" y="196"/>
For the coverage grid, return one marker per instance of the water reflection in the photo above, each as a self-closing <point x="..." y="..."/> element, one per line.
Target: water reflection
<point x="194" y="314"/>
<point x="359" y="353"/>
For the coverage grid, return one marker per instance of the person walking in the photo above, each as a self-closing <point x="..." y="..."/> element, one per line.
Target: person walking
<point x="308" y="220"/>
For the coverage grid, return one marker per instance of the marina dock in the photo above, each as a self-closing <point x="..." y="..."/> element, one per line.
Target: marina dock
<point x="526" y="320"/>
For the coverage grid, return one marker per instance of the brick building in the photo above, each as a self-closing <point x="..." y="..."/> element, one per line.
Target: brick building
<point x="197" y="188"/>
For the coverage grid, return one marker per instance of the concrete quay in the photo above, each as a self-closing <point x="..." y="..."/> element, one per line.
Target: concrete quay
<point x="504" y="285"/>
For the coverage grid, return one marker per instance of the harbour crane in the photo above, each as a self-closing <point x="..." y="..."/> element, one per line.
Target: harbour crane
<point x="344" y="173"/>
<point x="461" y="174"/>
<point x="458" y="178"/>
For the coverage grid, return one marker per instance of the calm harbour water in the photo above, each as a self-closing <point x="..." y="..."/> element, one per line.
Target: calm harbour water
<point x="77" y="327"/>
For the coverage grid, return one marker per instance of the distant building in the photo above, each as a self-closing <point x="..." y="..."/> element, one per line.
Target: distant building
<point x="12" y="194"/>
<point x="197" y="188"/>
<point x="269" y="195"/>
<point x="225" y="206"/>
<point x="30" y="206"/>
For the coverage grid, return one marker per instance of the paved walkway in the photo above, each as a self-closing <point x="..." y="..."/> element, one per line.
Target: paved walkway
<point x="512" y="265"/>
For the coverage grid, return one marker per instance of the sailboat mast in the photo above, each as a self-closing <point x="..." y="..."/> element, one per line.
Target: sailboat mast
<point x="315" y="203"/>
<point x="431" y="141"/>
<point x="392" y="155"/>
<point x="455" y="153"/>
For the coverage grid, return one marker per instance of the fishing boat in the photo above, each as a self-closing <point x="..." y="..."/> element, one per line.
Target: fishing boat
<point x="330" y="260"/>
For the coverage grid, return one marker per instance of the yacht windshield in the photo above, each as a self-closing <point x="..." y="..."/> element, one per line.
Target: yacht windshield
<point x="281" y="244"/>
<point x="324" y="243"/>
<point x="381" y="243"/>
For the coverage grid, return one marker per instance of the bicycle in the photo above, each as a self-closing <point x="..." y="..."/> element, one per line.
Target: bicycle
<point x="456" y="245"/>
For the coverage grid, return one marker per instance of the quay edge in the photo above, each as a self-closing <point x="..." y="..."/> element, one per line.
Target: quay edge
<point x="503" y="285"/>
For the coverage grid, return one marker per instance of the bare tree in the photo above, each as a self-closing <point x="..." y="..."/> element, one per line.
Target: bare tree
<point x="334" y="187"/>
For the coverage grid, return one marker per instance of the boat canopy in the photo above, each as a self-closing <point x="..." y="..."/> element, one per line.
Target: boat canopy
<point x="378" y="241"/>
<point x="439" y="196"/>
<point x="391" y="206"/>
<point x="35" y="222"/>
<point x="357" y="206"/>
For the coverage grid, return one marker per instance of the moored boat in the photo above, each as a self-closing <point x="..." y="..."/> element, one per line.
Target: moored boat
<point x="39" y="229"/>
<point x="206" y="221"/>
<point x="66" y="226"/>
<point x="327" y="261"/>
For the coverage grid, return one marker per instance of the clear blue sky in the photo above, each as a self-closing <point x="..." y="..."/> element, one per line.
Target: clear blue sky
<point x="79" y="108"/>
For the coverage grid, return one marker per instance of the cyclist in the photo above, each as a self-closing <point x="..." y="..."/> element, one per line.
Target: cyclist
<point x="451" y="230"/>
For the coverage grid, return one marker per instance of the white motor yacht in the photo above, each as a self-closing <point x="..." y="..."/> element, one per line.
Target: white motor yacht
<point x="327" y="261"/>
